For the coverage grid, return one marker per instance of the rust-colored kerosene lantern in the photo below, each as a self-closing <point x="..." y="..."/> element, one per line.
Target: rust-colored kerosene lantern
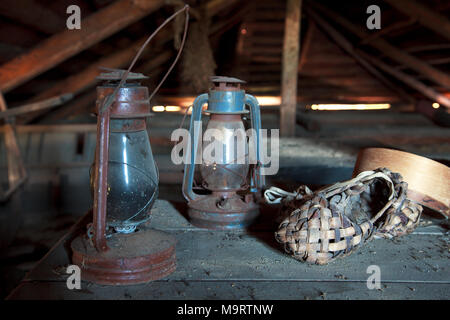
<point x="230" y="183"/>
<point x="119" y="247"/>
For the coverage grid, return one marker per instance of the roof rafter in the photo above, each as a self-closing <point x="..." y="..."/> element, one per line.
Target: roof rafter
<point x="86" y="78"/>
<point x="394" y="53"/>
<point x="424" y="15"/>
<point x="35" y="15"/>
<point x="68" y="43"/>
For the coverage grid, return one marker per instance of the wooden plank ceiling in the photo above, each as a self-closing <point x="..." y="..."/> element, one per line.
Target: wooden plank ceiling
<point x="40" y="59"/>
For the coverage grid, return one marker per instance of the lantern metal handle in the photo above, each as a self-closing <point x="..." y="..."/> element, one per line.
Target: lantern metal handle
<point x="101" y="179"/>
<point x="189" y="166"/>
<point x="257" y="180"/>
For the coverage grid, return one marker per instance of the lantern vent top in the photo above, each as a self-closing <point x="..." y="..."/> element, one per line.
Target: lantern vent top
<point x="117" y="74"/>
<point x="222" y="83"/>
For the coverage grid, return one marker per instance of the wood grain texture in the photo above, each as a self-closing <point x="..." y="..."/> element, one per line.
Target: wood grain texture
<point x="394" y="53"/>
<point x="68" y="43"/>
<point x="428" y="180"/>
<point x="251" y="265"/>
<point x="289" y="76"/>
<point x="16" y="169"/>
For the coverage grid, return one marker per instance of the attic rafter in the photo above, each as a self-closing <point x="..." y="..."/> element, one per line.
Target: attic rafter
<point x="68" y="43"/>
<point x="227" y="23"/>
<point x="424" y="15"/>
<point x="419" y="86"/>
<point x="33" y="14"/>
<point x="9" y="51"/>
<point x="16" y="169"/>
<point x="44" y="104"/>
<point x="215" y="6"/>
<point x="86" y="78"/>
<point x="387" y="49"/>
<point x="85" y="103"/>
<point x="386" y="30"/>
<point x="347" y="46"/>
<point x="86" y="100"/>
<point x="306" y="44"/>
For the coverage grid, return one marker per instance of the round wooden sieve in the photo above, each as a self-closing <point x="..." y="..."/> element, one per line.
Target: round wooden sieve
<point x="428" y="180"/>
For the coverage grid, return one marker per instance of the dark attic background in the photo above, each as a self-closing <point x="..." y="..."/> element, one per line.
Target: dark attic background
<point x="356" y="88"/>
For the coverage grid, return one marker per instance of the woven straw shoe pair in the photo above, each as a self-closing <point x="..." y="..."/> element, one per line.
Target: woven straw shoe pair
<point x="332" y="222"/>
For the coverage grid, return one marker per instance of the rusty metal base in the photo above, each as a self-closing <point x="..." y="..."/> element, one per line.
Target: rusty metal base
<point x="204" y="213"/>
<point x="138" y="257"/>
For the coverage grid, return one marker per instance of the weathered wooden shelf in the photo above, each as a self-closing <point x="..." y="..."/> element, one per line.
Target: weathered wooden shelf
<point x="251" y="265"/>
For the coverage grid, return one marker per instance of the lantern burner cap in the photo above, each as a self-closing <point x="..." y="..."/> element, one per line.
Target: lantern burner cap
<point x="222" y="83"/>
<point x="219" y="79"/>
<point x="117" y="74"/>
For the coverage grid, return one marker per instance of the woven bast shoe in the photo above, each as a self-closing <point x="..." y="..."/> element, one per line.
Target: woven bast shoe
<point x="332" y="222"/>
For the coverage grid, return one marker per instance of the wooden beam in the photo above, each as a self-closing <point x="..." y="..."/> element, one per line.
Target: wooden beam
<point x="19" y="35"/>
<point x="386" y="30"/>
<point x="86" y="78"/>
<point x="433" y="62"/>
<point x="424" y="15"/>
<point x="306" y="44"/>
<point x="347" y="46"/>
<point x="213" y="7"/>
<point x="9" y="51"/>
<point x="16" y="169"/>
<point x="45" y="104"/>
<point x="227" y="23"/>
<point x="68" y="43"/>
<point x="154" y="62"/>
<point x="289" y="75"/>
<point x="387" y="49"/>
<point x="86" y="102"/>
<point x="419" y="86"/>
<point x="428" y="47"/>
<point x="33" y="14"/>
<point x="52" y="128"/>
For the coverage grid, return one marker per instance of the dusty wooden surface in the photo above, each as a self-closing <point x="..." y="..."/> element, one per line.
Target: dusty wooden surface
<point x="251" y="265"/>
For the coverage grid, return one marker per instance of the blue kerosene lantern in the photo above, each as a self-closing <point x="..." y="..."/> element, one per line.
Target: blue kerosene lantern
<point x="231" y="178"/>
